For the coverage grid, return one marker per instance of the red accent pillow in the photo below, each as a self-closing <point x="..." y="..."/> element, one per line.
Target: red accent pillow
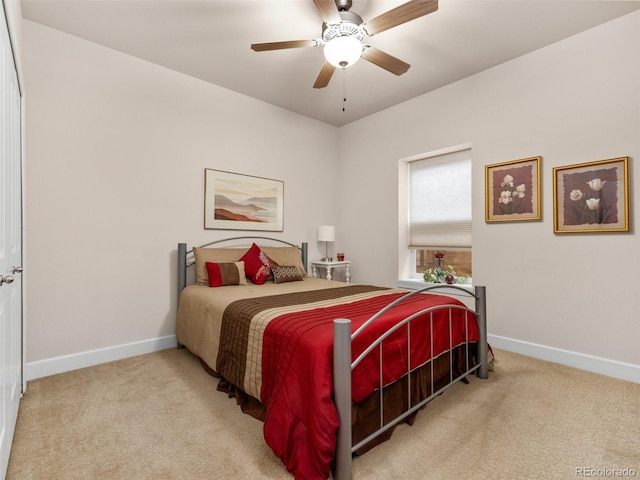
<point x="257" y="265"/>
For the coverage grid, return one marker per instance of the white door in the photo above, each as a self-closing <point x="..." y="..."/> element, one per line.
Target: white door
<point x="10" y="246"/>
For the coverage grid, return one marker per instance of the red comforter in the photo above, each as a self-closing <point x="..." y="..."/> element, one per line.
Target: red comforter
<point x="296" y="365"/>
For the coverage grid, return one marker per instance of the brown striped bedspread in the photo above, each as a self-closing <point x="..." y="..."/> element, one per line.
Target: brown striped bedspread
<point x="279" y="349"/>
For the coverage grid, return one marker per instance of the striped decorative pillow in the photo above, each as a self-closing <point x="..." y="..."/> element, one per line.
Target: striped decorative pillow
<point x="229" y="273"/>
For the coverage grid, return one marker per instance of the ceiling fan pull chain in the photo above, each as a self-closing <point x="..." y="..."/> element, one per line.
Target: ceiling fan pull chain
<point x="344" y="89"/>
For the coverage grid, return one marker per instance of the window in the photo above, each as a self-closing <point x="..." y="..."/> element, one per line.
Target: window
<point x="440" y="212"/>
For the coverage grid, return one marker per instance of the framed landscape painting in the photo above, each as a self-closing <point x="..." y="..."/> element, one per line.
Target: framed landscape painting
<point x="512" y="191"/>
<point x="233" y="201"/>
<point x="591" y="197"/>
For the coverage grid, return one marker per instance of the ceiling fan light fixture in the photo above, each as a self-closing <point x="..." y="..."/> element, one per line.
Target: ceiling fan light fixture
<point x="343" y="51"/>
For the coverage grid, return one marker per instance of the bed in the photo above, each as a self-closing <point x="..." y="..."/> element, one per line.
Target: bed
<point x="330" y="368"/>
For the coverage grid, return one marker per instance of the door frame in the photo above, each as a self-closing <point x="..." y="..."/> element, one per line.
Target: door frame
<point x="13" y="15"/>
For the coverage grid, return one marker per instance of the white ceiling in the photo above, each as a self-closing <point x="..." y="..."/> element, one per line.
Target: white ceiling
<point x="210" y="39"/>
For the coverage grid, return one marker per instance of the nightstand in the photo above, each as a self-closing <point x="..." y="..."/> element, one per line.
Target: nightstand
<point x="328" y="266"/>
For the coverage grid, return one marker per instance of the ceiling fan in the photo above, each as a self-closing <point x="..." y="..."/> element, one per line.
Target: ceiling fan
<point x="343" y="33"/>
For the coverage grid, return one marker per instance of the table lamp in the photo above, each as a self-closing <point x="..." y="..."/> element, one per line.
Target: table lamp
<point x="326" y="233"/>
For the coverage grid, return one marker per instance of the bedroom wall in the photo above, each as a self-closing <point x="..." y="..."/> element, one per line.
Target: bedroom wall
<point x="116" y="149"/>
<point x="574" y="101"/>
<point x="116" y="152"/>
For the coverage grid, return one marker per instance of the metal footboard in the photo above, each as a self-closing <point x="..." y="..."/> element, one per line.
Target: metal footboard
<point x="343" y="366"/>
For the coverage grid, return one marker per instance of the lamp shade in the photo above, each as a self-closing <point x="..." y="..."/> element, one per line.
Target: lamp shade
<point x="326" y="233"/>
<point x="343" y="51"/>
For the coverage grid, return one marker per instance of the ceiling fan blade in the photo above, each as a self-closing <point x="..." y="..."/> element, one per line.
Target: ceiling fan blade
<point x="328" y="11"/>
<point x="399" y="15"/>
<point x="386" y="61"/>
<point x="263" y="47"/>
<point x="324" y="76"/>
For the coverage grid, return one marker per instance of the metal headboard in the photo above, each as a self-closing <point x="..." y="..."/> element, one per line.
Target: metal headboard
<point x="183" y="264"/>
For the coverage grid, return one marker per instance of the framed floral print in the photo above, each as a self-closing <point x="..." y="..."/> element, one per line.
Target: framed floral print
<point x="591" y="197"/>
<point x="233" y="201"/>
<point x="512" y="191"/>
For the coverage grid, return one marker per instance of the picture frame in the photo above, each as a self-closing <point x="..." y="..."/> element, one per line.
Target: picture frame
<point x="512" y="191"/>
<point x="591" y="197"/>
<point x="233" y="201"/>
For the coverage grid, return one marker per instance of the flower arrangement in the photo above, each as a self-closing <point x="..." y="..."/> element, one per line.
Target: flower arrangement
<point x="439" y="275"/>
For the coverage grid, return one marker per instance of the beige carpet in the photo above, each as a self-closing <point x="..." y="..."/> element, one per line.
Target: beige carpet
<point x="159" y="416"/>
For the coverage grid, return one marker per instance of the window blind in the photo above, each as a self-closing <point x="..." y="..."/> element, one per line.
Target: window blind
<point x="440" y="201"/>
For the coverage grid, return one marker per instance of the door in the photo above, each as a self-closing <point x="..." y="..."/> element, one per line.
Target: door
<point x="10" y="246"/>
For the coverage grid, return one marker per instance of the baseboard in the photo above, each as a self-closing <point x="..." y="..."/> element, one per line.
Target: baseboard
<point x="66" y="363"/>
<point x="590" y="363"/>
